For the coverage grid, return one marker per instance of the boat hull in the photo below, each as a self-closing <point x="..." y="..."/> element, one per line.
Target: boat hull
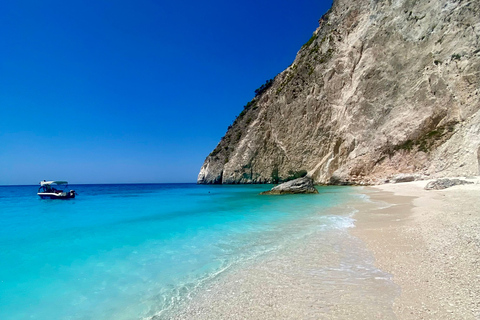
<point x="63" y="195"/>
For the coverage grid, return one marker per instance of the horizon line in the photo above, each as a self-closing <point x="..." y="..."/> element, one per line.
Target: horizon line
<point x="102" y="183"/>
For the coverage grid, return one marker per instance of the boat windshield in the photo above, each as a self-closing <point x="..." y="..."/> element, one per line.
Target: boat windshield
<point x="53" y="186"/>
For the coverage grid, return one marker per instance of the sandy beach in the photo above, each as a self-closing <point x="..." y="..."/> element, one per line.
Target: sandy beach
<point x="430" y="242"/>
<point x="413" y="254"/>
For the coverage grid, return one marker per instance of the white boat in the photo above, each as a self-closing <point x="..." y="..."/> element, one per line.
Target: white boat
<point x="55" y="190"/>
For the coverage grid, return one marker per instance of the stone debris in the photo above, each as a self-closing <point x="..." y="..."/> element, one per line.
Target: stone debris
<point x="445" y="183"/>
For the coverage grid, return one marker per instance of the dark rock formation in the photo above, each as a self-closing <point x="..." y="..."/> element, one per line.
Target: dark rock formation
<point x="445" y="183"/>
<point x="300" y="185"/>
<point x="381" y="88"/>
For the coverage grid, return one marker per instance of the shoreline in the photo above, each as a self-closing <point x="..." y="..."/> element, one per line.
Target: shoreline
<point x="325" y="274"/>
<point x="412" y="254"/>
<point x="430" y="242"/>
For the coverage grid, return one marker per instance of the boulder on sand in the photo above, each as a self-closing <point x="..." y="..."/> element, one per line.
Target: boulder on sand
<point x="300" y="185"/>
<point x="445" y="183"/>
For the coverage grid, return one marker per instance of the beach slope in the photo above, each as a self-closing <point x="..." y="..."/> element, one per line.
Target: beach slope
<point x="430" y="242"/>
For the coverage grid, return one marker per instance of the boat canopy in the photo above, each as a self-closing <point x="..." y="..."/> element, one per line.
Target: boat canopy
<point x="49" y="183"/>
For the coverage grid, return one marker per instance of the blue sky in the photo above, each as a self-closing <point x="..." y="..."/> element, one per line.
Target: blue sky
<point x="134" y="91"/>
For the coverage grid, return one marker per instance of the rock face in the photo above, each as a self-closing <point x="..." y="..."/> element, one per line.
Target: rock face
<point x="445" y="183"/>
<point x="300" y="185"/>
<point x="381" y="88"/>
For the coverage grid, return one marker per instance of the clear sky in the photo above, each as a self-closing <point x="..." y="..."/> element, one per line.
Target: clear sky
<point x="125" y="91"/>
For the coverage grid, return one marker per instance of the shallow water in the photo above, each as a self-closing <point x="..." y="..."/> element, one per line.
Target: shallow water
<point x="136" y="251"/>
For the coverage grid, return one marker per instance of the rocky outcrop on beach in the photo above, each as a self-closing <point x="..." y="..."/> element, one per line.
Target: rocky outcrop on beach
<point x="381" y="88"/>
<point x="441" y="184"/>
<point x="300" y="185"/>
<point x="407" y="177"/>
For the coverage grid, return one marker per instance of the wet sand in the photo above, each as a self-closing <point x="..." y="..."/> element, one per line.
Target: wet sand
<point x="304" y="283"/>
<point x="326" y="274"/>
<point x="430" y="242"/>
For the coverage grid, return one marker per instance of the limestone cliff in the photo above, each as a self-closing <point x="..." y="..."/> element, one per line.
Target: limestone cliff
<point x="382" y="87"/>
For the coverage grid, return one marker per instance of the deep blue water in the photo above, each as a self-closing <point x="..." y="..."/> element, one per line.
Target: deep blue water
<point x="130" y="251"/>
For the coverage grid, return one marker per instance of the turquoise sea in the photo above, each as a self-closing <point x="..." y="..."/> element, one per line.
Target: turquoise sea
<point x="132" y="251"/>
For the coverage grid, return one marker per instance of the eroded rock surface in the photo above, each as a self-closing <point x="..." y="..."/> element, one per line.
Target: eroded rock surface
<point x="381" y="88"/>
<point x="300" y="185"/>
